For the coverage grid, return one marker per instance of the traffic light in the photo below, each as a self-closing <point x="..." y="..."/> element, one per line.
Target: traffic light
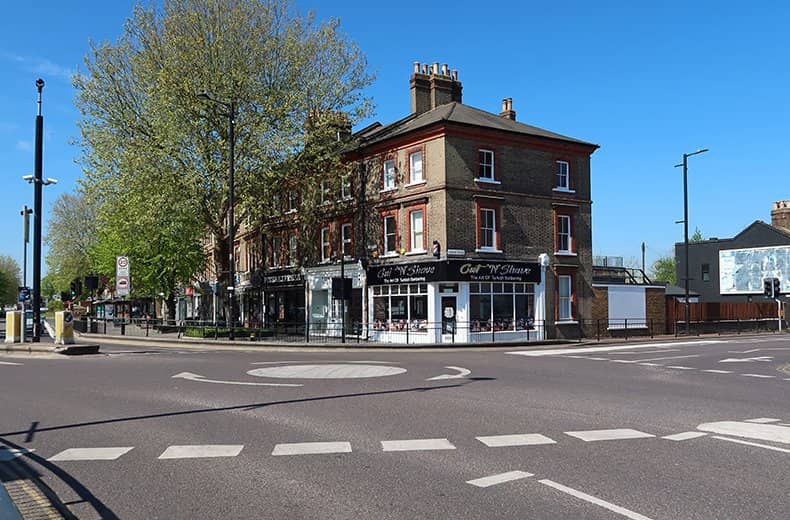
<point x="768" y="287"/>
<point x="73" y="289"/>
<point x="777" y="288"/>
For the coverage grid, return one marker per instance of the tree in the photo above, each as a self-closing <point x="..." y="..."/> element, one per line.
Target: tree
<point x="663" y="270"/>
<point x="144" y="131"/>
<point x="697" y="236"/>
<point x="71" y="235"/>
<point x="10" y="280"/>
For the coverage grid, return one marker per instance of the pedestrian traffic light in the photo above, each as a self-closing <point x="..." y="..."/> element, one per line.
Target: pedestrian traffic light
<point x="777" y="288"/>
<point x="768" y="287"/>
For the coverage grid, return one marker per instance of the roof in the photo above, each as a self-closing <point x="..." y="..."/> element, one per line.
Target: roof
<point x="459" y="113"/>
<point x="674" y="290"/>
<point x="748" y="229"/>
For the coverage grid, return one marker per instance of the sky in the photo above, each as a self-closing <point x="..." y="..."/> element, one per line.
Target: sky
<point x="647" y="81"/>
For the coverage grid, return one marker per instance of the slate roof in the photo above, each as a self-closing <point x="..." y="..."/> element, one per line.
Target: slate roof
<point x="458" y="113"/>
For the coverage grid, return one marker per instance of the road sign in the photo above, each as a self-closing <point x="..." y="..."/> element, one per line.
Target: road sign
<point x="122" y="276"/>
<point x="24" y="294"/>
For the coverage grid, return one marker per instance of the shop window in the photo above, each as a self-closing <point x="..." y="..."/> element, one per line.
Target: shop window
<point x="501" y="306"/>
<point x="397" y="308"/>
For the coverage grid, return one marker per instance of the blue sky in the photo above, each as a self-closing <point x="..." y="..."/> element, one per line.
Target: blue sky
<point x="645" y="82"/>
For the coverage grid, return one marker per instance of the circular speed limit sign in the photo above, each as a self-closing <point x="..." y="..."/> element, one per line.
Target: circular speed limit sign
<point x="123" y="262"/>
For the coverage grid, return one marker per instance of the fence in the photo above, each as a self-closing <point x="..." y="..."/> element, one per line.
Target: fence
<point x="730" y="316"/>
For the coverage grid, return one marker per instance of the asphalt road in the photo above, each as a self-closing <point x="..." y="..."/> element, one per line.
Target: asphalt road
<point x="696" y="429"/>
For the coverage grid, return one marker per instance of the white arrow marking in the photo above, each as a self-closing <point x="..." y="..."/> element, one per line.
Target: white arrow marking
<point x="9" y="363"/>
<point x="197" y="377"/>
<point x="462" y="372"/>
<point x="747" y="360"/>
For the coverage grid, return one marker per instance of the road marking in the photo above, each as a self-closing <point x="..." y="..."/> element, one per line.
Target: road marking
<point x="650" y="364"/>
<point x="8" y="454"/>
<point x="762" y="420"/>
<point x="462" y="372"/>
<point x="311" y="448"/>
<point x="718" y="371"/>
<point x="609" y="435"/>
<point x="598" y="358"/>
<point x="417" y="445"/>
<point x="623" y="361"/>
<point x="668" y="357"/>
<point x="201" y="451"/>
<point x="763" y="359"/>
<point x="593" y="500"/>
<point x="9" y="363"/>
<point x="774" y="448"/>
<point x="756" y="350"/>
<point x="761" y="376"/>
<point x="558" y="352"/>
<point x="526" y="439"/>
<point x="499" y="479"/>
<point x="90" y="454"/>
<point x="762" y="432"/>
<point x="681" y="368"/>
<point x="684" y="436"/>
<point x="197" y="377"/>
<point x="641" y="353"/>
<point x="328" y="371"/>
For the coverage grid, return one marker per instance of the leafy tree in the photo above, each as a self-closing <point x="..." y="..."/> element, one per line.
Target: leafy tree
<point x="71" y="234"/>
<point x="663" y="270"/>
<point x="145" y="132"/>
<point x="10" y="280"/>
<point x="697" y="236"/>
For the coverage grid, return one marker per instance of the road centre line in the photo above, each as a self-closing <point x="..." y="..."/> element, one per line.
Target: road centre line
<point x="609" y="435"/>
<point x="623" y="361"/>
<point x="417" y="445"/>
<point x="501" y="478"/>
<point x="641" y="353"/>
<point x="650" y="364"/>
<point x="594" y="500"/>
<point x="681" y="368"/>
<point x="774" y="448"/>
<point x="762" y="420"/>
<point x="311" y="448"/>
<point x="668" y="357"/>
<point x="527" y="439"/>
<point x="684" y="436"/>
<point x="558" y="352"/>
<point x="90" y="454"/>
<point x="201" y="451"/>
<point x="711" y="371"/>
<point x="761" y="376"/>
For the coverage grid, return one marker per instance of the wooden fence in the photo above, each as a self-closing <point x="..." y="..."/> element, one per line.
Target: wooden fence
<point x="714" y="311"/>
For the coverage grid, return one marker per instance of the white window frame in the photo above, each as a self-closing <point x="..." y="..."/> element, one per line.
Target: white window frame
<point x="277" y="246"/>
<point x="326" y="245"/>
<point x="484" y="229"/>
<point x="563" y="177"/>
<point x="324" y="193"/>
<point x="565" y="297"/>
<point x="417" y="242"/>
<point x="413" y="170"/>
<point x="345" y="188"/>
<point x="292" y="202"/>
<point x="389" y="175"/>
<point x="483" y="164"/>
<point x="564" y="234"/>
<point x="390" y="232"/>
<point x="345" y="239"/>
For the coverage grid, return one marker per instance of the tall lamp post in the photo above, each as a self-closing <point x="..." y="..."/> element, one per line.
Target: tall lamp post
<point x="684" y="164"/>
<point x="231" y="106"/>
<point x="25" y="240"/>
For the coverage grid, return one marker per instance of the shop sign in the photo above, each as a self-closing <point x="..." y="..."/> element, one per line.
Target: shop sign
<point x="406" y="273"/>
<point x="487" y="271"/>
<point x="283" y="279"/>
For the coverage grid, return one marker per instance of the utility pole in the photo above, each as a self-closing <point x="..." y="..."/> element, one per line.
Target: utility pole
<point x="38" y="180"/>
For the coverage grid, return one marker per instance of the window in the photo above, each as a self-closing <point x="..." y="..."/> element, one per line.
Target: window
<point x="415" y="167"/>
<point x="706" y="272"/>
<point x="417" y="233"/>
<point x="292" y="250"/>
<point x="565" y="298"/>
<point x="563" y="176"/>
<point x="277" y="251"/>
<point x="389" y="234"/>
<point x="345" y="238"/>
<point x="487" y="228"/>
<point x="389" y="175"/>
<point x="564" y="238"/>
<point x="400" y="308"/>
<point x="501" y="306"/>
<point x="324" y="192"/>
<point x="326" y="246"/>
<point x="292" y="201"/>
<point x="486" y="166"/>
<point x="345" y="187"/>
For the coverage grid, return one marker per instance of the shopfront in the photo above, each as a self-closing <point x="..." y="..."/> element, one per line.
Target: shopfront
<point x="283" y="299"/>
<point x="327" y="311"/>
<point x="456" y="301"/>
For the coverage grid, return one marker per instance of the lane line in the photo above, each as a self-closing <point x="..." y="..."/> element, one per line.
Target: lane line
<point x="609" y="435"/>
<point x="682" y="368"/>
<point x="311" y="448"/>
<point x="668" y="357"/>
<point x="684" y="436"/>
<point x="774" y="448"/>
<point x="527" y="439"/>
<point x="9" y="363"/>
<point x="623" y="361"/>
<point x="762" y="420"/>
<point x="718" y="371"/>
<point x="557" y="352"/>
<point x="650" y="364"/>
<point x="760" y="432"/>
<point x="594" y="500"/>
<point x="661" y="351"/>
<point x="761" y="376"/>
<point x="91" y="453"/>
<point x="417" y="445"/>
<point x="598" y="358"/>
<point x="501" y="478"/>
<point x="196" y="451"/>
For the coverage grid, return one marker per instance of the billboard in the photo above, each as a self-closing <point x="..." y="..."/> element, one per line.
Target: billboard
<point x="741" y="271"/>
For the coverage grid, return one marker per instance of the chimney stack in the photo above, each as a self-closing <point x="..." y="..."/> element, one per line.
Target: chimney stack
<point x="432" y="86"/>
<point x="780" y="215"/>
<point x="507" y="109"/>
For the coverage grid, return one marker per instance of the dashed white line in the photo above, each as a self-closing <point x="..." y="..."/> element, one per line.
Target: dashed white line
<point x="650" y="364"/>
<point x="762" y="420"/>
<point x="9" y="363"/>
<point x="558" y="352"/>
<point x="773" y="448"/>
<point x="668" y="357"/>
<point x="417" y="445"/>
<point x="761" y="376"/>
<point x="311" y="448"/>
<point x="609" y="435"/>
<point x="594" y="500"/>
<point x="90" y="454"/>
<point x="499" y="479"/>
<point x="623" y="361"/>
<point x="718" y="371"/>
<point x="681" y="368"/>
<point x="684" y="436"/>
<point x="597" y="358"/>
<point x="201" y="451"/>
<point x="527" y="439"/>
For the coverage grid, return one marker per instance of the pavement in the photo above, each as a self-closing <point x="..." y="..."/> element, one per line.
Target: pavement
<point x="687" y="429"/>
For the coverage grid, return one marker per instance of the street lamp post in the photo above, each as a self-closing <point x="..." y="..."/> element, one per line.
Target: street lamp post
<point x="231" y="106"/>
<point x="25" y="240"/>
<point x="684" y="164"/>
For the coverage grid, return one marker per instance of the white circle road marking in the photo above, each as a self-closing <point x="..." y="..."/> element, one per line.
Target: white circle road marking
<point x="335" y="371"/>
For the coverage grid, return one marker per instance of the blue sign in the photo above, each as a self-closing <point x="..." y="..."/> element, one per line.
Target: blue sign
<point x="24" y="294"/>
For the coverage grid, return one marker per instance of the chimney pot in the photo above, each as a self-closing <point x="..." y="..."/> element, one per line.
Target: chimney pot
<point x="445" y="70"/>
<point x="455" y="75"/>
<point x="416" y="67"/>
<point x="435" y="68"/>
<point x="425" y="68"/>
